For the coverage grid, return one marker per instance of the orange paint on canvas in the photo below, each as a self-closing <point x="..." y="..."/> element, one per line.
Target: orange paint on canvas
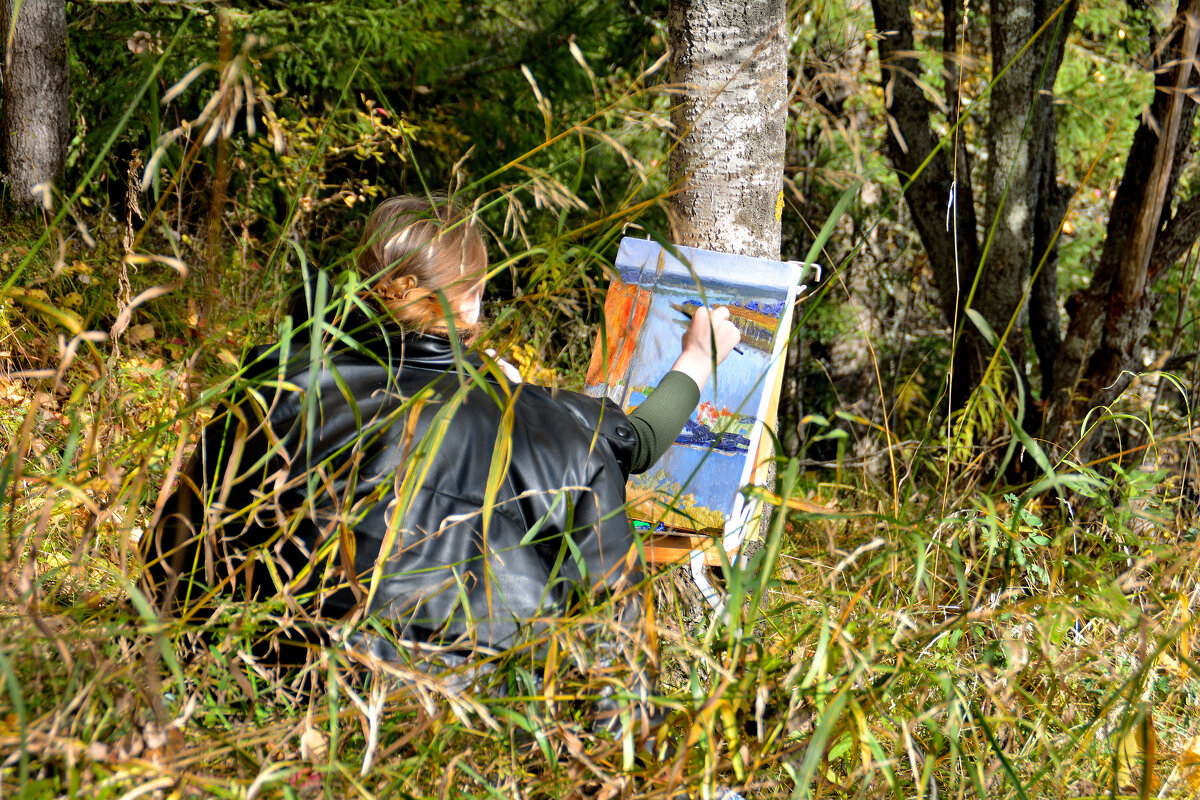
<point x="625" y="311"/>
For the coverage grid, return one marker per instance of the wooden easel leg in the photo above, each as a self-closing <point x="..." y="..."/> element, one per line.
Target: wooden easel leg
<point x="700" y="575"/>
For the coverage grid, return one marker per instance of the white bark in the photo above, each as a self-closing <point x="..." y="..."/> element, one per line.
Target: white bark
<point x="729" y="66"/>
<point x="34" y="124"/>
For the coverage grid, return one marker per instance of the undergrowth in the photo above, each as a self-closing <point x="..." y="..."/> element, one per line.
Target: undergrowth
<point x="912" y="627"/>
<point x="1030" y="640"/>
<point x="996" y="647"/>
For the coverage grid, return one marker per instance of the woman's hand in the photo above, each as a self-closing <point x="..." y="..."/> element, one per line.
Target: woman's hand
<point x="708" y="340"/>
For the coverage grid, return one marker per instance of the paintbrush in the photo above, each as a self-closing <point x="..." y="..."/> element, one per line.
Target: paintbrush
<point x="690" y="311"/>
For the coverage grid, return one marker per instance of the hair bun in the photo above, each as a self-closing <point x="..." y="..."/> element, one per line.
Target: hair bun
<point x="427" y="246"/>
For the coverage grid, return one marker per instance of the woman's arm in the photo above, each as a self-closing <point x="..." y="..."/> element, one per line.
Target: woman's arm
<point x="709" y="339"/>
<point x="660" y="418"/>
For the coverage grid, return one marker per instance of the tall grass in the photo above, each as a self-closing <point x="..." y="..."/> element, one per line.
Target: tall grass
<point x="927" y="636"/>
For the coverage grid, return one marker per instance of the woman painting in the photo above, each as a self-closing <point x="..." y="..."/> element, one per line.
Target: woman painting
<point x="375" y="469"/>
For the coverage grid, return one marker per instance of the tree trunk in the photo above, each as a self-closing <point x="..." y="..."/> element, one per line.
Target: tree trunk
<point x="729" y="68"/>
<point x="1023" y="205"/>
<point x="1045" y="325"/>
<point x="34" y="124"/>
<point x="947" y="229"/>
<point x="1011" y="168"/>
<point x="936" y="182"/>
<point x="1110" y="317"/>
<point x="729" y="65"/>
<point x="1020" y="176"/>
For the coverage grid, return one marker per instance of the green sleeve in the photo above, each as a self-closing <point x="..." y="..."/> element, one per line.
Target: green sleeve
<point x="658" y="420"/>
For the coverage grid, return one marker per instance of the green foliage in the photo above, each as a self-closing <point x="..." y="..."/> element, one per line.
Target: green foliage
<point x="919" y="634"/>
<point x="1025" y="537"/>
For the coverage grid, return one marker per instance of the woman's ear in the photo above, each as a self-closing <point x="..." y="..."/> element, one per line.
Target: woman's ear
<point x="470" y="308"/>
<point x="471" y="311"/>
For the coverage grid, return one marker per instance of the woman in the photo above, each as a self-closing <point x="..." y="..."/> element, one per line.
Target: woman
<point x="371" y="471"/>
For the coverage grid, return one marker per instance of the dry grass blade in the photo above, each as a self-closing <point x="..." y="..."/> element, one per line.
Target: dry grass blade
<point x="932" y="641"/>
<point x="122" y="321"/>
<point x="184" y="82"/>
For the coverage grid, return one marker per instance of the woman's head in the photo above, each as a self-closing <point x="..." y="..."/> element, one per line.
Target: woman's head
<point x="412" y="249"/>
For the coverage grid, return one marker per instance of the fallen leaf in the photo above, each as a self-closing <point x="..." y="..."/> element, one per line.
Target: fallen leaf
<point x="313" y="745"/>
<point x="1189" y="763"/>
<point x="141" y="333"/>
<point x="1135" y="754"/>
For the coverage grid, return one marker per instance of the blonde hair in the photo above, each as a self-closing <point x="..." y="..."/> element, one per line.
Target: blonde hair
<point x="416" y="248"/>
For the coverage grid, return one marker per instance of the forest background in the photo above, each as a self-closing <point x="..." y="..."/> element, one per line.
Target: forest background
<point x="948" y="602"/>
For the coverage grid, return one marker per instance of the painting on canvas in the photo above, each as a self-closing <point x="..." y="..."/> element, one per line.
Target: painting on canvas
<point x="695" y="484"/>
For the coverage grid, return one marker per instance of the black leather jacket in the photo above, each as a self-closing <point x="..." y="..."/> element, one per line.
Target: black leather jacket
<point x="379" y="474"/>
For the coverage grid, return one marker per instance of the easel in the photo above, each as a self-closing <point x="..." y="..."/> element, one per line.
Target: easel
<point x="702" y="550"/>
<point x="765" y="315"/>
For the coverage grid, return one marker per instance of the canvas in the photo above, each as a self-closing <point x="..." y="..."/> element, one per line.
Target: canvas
<point x="695" y="486"/>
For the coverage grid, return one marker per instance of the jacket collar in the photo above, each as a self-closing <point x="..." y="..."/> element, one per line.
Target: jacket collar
<point x="416" y="350"/>
<point x="357" y="336"/>
<point x="362" y="336"/>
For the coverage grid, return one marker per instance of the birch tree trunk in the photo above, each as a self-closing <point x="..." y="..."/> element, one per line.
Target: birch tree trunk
<point x="729" y="66"/>
<point x="729" y="69"/>
<point x="34" y="124"/>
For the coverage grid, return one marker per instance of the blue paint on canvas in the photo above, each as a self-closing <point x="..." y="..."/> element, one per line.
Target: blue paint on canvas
<point x="708" y="462"/>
